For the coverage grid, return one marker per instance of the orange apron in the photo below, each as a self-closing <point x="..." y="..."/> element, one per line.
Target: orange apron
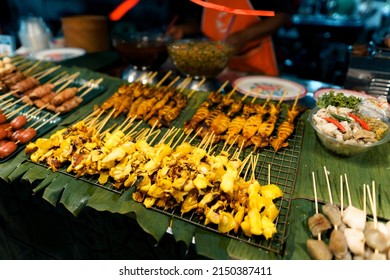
<point x="260" y="56"/>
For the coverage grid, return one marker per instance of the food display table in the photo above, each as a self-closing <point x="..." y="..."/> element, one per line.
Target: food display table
<point x="64" y="217"/>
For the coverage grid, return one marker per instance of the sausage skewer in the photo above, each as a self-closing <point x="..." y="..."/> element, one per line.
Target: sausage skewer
<point x="29" y="133"/>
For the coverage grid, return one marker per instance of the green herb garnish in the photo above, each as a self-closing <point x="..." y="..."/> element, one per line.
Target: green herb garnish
<point x="338" y="100"/>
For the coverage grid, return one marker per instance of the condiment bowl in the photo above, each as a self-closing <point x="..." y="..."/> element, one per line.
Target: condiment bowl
<point x="200" y="57"/>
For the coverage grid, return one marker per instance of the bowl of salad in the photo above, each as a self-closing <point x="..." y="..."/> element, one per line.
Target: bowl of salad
<point x="200" y="57"/>
<point x="348" y="125"/>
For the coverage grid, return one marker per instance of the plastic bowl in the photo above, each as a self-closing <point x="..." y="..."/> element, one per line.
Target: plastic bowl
<point x="341" y="148"/>
<point x="144" y="50"/>
<point x="200" y="57"/>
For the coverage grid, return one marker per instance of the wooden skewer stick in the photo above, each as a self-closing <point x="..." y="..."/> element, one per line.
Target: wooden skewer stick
<point x="5" y="102"/>
<point x="256" y="95"/>
<point x="5" y="95"/>
<point x="150" y="79"/>
<point x="164" y="78"/>
<point x="233" y="90"/>
<point x="245" y="96"/>
<point x="201" y="82"/>
<point x="96" y="112"/>
<point x="33" y="112"/>
<point x="364" y="199"/>
<point x="295" y="101"/>
<point x="269" y="174"/>
<point x="170" y="143"/>
<point x="61" y="77"/>
<point x="157" y="132"/>
<point x="315" y="198"/>
<point x="341" y="196"/>
<point x="222" y="87"/>
<point x="47" y="72"/>
<point x="16" y="111"/>
<point x="282" y="98"/>
<point x="26" y="72"/>
<point x="13" y="103"/>
<point x="267" y="100"/>
<point x="130" y="133"/>
<point x="196" y="134"/>
<point x="348" y="192"/>
<point x="173" y="81"/>
<point x="48" y="120"/>
<point x="96" y="83"/>
<point x="69" y="80"/>
<point x="184" y="84"/>
<point x="179" y="139"/>
<point x="102" y="124"/>
<point x="328" y="185"/>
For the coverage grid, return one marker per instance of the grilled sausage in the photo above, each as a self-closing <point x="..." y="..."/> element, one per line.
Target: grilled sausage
<point x="3" y="133"/>
<point x="3" y="119"/>
<point x="27" y="135"/>
<point x="8" y="149"/>
<point x="15" y="134"/>
<point x="18" y="122"/>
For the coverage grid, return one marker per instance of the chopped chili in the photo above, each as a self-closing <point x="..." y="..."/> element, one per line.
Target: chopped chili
<point x="340" y="118"/>
<point x="336" y="123"/>
<point x="362" y="123"/>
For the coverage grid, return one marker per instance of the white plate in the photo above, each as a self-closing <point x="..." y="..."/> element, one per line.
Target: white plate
<point x="263" y="86"/>
<point x="59" y="54"/>
<point x="346" y="92"/>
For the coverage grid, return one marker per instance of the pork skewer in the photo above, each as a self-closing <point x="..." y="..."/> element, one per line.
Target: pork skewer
<point x="318" y="223"/>
<point x="337" y="242"/>
<point x="375" y="238"/>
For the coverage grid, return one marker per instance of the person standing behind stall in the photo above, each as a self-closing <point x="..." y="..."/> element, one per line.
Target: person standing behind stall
<point x="249" y="35"/>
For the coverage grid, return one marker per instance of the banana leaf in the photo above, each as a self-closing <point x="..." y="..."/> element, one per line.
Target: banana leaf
<point x="183" y="231"/>
<point x="53" y="192"/>
<point x="34" y="173"/>
<point x="50" y="177"/>
<point x="211" y="245"/>
<point x="76" y="195"/>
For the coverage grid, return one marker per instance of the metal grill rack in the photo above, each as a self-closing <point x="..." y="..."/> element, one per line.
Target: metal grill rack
<point x="284" y="168"/>
<point x="283" y="171"/>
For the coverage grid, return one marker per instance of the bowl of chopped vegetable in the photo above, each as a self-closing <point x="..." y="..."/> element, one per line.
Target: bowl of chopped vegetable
<point x="346" y="127"/>
<point x="200" y="57"/>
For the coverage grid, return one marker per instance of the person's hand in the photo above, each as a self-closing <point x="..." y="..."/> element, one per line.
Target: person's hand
<point x="237" y="40"/>
<point x="176" y="32"/>
<point x="179" y="31"/>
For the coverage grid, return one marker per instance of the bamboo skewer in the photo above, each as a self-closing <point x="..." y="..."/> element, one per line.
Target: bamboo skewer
<point x="328" y="185"/>
<point x="164" y="78"/>
<point x="315" y="199"/>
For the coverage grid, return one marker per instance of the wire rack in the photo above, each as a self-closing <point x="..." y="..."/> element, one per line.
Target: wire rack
<point x="283" y="170"/>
